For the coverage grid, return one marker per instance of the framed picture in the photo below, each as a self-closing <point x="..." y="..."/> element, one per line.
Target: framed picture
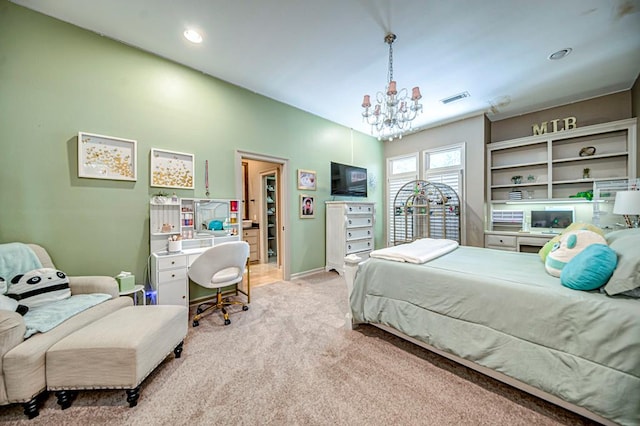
<point x="106" y="157"/>
<point x="307" y="206"/>
<point x="170" y="169"/>
<point x="306" y="180"/>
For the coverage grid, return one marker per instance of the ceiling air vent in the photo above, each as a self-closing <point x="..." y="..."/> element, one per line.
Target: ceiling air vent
<point x="455" y="98"/>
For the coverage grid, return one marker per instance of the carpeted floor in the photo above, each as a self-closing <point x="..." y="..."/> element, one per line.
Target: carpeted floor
<point x="289" y="360"/>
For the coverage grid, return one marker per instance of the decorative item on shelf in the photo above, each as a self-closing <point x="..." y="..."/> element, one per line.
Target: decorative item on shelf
<point x="530" y="194"/>
<point x="394" y="110"/>
<point x="585" y="173"/>
<point x="531" y="179"/>
<point x="174" y="244"/>
<point x="516" y="179"/>
<point x="515" y="195"/>
<point x="587" y="151"/>
<point x="166" y="227"/>
<point x="160" y="198"/>
<point x="628" y="204"/>
<point x="585" y="194"/>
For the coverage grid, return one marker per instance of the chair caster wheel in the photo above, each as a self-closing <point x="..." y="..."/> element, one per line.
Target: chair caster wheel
<point x="245" y="308"/>
<point x="227" y="322"/>
<point x="199" y="311"/>
<point x="196" y="323"/>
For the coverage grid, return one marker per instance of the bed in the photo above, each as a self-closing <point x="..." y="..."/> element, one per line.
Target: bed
<point x="502" y="314"/>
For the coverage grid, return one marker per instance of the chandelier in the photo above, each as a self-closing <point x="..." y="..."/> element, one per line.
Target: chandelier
<point x="394" y="111"/>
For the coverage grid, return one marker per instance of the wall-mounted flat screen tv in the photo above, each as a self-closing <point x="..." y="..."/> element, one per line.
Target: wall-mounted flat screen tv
<point x="348" y="180"/>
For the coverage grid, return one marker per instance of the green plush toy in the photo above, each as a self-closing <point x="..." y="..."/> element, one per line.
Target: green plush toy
<point x="544" y="251"/>
<point x="570" y="244"/>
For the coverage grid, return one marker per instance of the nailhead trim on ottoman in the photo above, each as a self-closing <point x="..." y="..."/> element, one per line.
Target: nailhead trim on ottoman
<point x="116" y="352"/>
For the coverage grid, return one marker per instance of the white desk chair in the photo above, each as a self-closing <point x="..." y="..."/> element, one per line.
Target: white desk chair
<point x="221" y="266"/>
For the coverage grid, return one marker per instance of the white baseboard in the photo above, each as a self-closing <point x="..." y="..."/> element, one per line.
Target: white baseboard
<point x="306" y="273"/>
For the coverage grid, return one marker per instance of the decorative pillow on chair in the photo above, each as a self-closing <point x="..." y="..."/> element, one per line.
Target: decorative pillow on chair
<point x="626" y="278"/>
<point x="570" y="244"/>
<point x="590" y="269"/>
<point x="9" y="304"/>
<point x="39" y="287"/>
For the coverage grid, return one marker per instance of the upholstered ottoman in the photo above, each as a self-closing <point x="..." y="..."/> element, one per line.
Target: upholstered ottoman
<point x="117" y="351"/>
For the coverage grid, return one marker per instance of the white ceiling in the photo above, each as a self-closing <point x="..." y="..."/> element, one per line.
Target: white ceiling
<point x="322" y="56"/>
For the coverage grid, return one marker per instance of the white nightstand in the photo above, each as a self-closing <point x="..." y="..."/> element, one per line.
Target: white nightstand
<point x="139" y="288"/>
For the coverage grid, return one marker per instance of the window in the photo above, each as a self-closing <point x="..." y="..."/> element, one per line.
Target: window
<point x="446" y="165"/>
<point x="400" y="170"/>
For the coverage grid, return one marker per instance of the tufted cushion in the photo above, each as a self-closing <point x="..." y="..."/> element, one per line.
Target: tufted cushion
<point x="590" y="269"/>
<point x="570" y="244"/>
<point x="39" y="287"/>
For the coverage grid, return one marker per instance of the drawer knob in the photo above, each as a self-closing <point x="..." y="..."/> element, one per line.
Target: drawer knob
<point x="501" y="241"/>
<point x="173" y="275"/>
<point x="349" y="246"/>
<point x="173" y="262"/>
<point x="349" y="233"/>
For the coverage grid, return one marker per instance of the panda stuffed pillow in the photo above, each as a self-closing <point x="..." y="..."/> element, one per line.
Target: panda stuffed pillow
<point x="39" y="287"/>
<point x="9" y="304"/>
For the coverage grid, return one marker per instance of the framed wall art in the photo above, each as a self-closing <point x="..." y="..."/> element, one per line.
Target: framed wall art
<point x="307" y="206"/>
<point x="306" y="180"/>
<point x="106" y="157"/>
<point x="170" y="169"/>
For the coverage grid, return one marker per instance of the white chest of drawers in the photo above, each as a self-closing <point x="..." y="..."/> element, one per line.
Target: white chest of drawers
<point x="349" y="230"/>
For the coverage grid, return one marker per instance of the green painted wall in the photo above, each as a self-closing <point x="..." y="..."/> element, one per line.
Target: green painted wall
<point x="57" y="79"/>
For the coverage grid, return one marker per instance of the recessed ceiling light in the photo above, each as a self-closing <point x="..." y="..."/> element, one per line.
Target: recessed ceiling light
<point x="560" y="54"/>
<point x="193" y="36"/>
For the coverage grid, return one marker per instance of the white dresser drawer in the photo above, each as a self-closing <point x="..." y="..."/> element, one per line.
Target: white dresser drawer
<point x="359" y="208"/>
<point x="172" y="262"/>
<point x="359" y="233"/>
<point x="358" y="222"/>
<point x="357" y="246"/>
<point x="504" y="242"/>
<point x="171" y="275"/>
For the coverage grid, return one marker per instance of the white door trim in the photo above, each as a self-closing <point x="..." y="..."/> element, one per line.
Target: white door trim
<point x="284" y="208"/>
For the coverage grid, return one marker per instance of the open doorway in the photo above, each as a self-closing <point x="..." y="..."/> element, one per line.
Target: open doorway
<point x="265" y="215"/>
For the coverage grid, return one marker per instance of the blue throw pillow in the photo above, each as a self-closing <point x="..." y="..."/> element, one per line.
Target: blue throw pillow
<point x="590" y="269"/>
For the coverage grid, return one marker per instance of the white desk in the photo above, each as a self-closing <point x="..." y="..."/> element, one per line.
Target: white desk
<point x="139" y="288"/>
<point x="169" y="276"/>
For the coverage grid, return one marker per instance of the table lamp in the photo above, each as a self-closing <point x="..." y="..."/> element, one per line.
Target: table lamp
<point x="628" y="204"/>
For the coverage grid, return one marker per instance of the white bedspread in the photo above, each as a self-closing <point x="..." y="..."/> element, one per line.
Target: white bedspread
<point x="418" y="251"/>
